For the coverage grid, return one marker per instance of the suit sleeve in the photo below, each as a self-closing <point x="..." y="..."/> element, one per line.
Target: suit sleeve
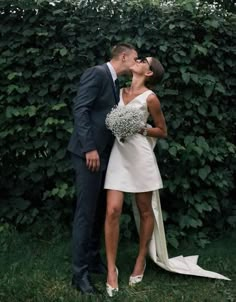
<point x="88" y="91"/>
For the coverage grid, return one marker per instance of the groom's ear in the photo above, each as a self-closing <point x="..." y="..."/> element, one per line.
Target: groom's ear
<point x="123" y="55"/>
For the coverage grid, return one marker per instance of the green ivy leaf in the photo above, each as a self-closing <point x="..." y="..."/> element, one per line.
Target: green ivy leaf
<point x="173" y="151"/>
<point x="212" y="23"/>
<point x="163" y="144"/>
<point x="202" y="110"/>
<point x="204" y="172"/>
<point x="63" y="52"/>
<point x="58" y="106"/>
<point x="173" y="241"/>
<point x="186" y="77"/>
<point x="208" y="89"/>
<point x="163" y="48"/>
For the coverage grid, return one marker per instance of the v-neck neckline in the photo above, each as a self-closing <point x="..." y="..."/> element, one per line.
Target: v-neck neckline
<point x="125" y="104"/>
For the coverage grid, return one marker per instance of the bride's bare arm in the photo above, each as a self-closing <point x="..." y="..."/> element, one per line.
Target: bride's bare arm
<point x="154" y="108"/>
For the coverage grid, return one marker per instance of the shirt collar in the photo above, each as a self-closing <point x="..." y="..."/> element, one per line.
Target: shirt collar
<point x="112" y="71"/>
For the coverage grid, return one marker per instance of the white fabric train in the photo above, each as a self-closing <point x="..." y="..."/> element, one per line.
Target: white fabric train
<point x="158" y="249"/>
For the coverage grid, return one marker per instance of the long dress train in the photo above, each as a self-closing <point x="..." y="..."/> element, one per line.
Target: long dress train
<point x="158" y="248"/>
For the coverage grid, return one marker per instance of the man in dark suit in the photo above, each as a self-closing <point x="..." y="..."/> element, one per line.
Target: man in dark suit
<point x="90" y="147"/>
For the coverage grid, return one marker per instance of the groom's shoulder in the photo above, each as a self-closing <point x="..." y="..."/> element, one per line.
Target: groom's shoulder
<point x="97" y="69"/>
<point x="102" y="68"/>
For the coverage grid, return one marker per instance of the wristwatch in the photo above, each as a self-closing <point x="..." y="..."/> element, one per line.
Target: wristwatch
<point x="144" y="132"/>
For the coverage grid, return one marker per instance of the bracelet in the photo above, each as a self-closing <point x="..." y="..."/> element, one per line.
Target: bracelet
<point x="144" y="132"/>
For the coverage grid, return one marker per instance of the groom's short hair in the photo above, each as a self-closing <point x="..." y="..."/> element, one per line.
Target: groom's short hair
<point x="121" y="47"/>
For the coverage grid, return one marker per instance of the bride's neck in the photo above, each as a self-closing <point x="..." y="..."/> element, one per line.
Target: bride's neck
<point x="137" y="84"/>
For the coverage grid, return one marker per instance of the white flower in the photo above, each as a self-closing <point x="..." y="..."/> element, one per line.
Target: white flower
<point x="124" y="121"/>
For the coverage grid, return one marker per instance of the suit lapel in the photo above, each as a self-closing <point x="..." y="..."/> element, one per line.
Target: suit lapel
<point x="111" y="83"/>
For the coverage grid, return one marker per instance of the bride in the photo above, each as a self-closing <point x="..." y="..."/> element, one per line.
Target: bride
<point x="132" y="168"/>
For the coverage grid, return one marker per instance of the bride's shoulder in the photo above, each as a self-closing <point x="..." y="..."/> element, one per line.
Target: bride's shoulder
<point x="152" y="97"/>
<point x="150" y="94"/>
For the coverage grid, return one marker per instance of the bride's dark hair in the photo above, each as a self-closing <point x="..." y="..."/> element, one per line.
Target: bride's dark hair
<point x="158" y="73"/>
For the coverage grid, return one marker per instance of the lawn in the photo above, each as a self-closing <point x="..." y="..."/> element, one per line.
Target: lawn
<point x="40" y="271"/>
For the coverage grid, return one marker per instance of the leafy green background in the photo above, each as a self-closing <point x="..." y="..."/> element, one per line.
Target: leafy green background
<point x="45" y="47"/>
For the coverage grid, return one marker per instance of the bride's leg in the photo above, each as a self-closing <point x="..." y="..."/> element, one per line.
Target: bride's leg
<point x="144" y="204"/>
<point x="113" y="212"/>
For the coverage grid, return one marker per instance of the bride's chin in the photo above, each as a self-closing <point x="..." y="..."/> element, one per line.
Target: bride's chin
<point x="132" y="69"/>
<point x="135" y="70"/>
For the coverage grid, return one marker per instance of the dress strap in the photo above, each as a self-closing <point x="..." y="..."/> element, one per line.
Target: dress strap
<point x="148" y="92"/>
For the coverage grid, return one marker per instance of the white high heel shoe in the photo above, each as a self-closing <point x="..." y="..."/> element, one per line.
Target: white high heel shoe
<point x="112" y="291"/>
<point x="133" y="280"/>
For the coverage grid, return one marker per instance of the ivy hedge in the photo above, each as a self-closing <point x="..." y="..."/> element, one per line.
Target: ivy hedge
<point x="45" y="47"/>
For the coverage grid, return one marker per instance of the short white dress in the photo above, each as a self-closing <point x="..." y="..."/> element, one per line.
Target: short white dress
<point x="132" y="165"/>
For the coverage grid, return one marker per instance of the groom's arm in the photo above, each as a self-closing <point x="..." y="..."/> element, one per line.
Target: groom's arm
<point x="83" y="105"/>
<point x="89" y="87"/>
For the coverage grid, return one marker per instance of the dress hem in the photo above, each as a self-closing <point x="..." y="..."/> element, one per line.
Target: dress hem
<point x="133" y="190"/>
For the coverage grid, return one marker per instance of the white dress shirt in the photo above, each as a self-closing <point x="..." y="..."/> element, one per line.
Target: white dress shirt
<point x="112" y="70"/>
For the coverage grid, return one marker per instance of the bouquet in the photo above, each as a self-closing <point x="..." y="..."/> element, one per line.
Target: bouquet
<point x="124" y="121"/>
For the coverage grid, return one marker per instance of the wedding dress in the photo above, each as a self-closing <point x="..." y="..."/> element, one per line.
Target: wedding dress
<point x="133" y="168"/>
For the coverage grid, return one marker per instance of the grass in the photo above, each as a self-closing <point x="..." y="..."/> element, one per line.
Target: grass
<point x="40" y="271"/>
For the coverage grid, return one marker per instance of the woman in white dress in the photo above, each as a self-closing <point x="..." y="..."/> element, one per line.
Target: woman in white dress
<point x="133" y="168"/>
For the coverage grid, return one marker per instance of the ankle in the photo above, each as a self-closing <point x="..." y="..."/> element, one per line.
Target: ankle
<point x="111" y="270"/>
<point x="112" y="278"/>
<point x="141" y="260"/>
<point x="139" y="267"/>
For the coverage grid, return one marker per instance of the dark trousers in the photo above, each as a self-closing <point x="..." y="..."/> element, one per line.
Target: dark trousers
<point x="89" y="216"/>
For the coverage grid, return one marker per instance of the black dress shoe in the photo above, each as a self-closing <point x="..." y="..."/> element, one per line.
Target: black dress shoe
<point x="84" y="285"/>
<point x="98" y="268"/>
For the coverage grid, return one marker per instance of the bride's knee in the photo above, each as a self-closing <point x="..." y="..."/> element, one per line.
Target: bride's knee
<point x="146" y="214"/>
<point x="113" y="213"/>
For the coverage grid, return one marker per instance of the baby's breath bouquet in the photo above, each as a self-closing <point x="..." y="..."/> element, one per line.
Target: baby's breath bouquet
<point x="124" y="121"/>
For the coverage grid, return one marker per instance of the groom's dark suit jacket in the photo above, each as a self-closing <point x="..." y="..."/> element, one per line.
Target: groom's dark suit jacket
<point x="95" y="98"/>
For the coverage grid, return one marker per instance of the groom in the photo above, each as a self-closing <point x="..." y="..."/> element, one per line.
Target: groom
<point x="90" y="147"/>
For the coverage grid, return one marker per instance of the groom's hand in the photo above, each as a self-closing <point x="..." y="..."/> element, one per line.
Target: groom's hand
<point x="92" y="160"/>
